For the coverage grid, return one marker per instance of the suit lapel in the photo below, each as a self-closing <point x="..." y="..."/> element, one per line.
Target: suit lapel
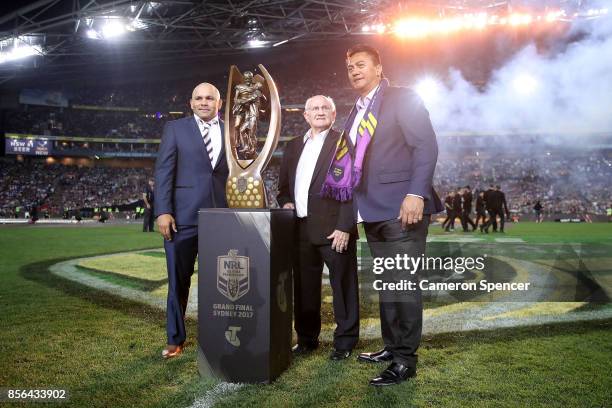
<point x="222" y="152"/>
<point x="324" y="158"/>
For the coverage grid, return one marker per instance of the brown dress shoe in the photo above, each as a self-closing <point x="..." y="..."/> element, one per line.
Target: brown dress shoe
<point x="172" y="350"/>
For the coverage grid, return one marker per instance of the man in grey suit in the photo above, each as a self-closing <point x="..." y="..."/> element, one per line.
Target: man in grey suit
<point x="190" y="173"/>
<point x="394" y="153"/>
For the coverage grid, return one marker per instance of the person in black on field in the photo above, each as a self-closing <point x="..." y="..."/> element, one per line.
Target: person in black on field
<point x="466" y="209"/>
<point x="538" y="211"/>
<point x="489" y="198"/>
<point x="480" y="211"/>
<point x="450" y="216"/>
<point x="504" y="212"/>
<point x="496" y="206"/>
<point x="456" y="207"/>
<point x="148" y="198"/>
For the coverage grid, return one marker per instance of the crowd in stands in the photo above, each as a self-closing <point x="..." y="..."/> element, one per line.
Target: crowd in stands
<point x="111" y="124"/>
<point x="24" y="186"/>
<point x="570" y="181"/>
<point x="55" y="188"/>
<point x="89" y="123"/>
<point x="573" y="185"/>
<point x="151" y="107"/>
<point x="565" y="184"/>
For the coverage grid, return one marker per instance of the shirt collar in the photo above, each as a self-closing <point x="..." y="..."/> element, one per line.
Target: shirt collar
<point x="321" y="134"/>
<point x="201" y="122"/>
<point x="363" y="103"/>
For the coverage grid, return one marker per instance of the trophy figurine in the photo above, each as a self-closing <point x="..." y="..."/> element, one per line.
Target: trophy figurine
<point x="249" y="99"/>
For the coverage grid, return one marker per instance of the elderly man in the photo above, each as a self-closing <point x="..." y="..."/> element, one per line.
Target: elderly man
<point x="190" y="173"/>
<point x="326" y="234"/>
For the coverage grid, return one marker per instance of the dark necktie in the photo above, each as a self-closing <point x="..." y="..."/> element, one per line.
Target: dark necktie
<point x="206" y="137"/>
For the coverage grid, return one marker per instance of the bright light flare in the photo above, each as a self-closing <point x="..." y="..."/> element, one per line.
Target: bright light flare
<point x="517" y="19"/>
<point x="380" y="28"/>
<point x="257" y="43"/>
<point x="554" y="16"/>
<point x="20" y="52"/>
<point x="525" y="84"/>
<point x="93" y="34"/>
<point x="113" y="29"/>
<point x="413" y="28"/>
<point x="429" y="89"/>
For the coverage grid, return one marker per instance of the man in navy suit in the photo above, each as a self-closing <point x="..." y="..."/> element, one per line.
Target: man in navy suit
<point x="190" y="173"/>
<point x="394" y="199"/>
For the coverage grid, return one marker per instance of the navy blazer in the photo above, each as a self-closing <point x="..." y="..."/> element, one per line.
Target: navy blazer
<point x="400" y="160"/>
<point x="185" y="180"/>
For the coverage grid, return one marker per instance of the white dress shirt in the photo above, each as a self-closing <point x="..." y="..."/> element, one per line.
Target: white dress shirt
<point x="362" y="105"/>
<point x="305" y="170"/>
<point x="215" y="136"/>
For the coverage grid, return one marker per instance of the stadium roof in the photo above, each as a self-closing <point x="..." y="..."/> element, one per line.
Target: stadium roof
<point x="76" y="34"/>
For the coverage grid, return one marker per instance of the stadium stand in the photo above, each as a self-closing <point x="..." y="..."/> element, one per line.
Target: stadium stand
<point x="105" y="122"/>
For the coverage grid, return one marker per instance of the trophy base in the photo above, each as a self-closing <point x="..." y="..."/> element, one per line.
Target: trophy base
<point x="246" y="191"/>
<point x="245" y="303"/>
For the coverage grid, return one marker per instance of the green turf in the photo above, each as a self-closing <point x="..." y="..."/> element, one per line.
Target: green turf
<point x="546" y="232"/>
<point x="123" y="280"/>
<point x="105" y="350"/>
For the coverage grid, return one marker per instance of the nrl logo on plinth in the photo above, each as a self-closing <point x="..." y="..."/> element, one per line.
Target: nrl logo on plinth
<point x="233" y="275"/>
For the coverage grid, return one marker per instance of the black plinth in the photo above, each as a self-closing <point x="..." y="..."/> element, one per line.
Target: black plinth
<point x="244" y="294"/>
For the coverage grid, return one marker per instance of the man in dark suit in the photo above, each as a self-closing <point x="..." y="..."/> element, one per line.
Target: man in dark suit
<point x="449" y="221"/>
<point x="148" y="198"/>
<point x="457" y="202"/>
<point x="503" y="208"/>
<point x="496" y="206"/>
<point x="190" y="173"/>
<point x="481" y="215"/>
<point x="326" y="233"/>
<point x="466" y="209"/>
<point x="393" y="197"/>
<point x="491" y="203"/>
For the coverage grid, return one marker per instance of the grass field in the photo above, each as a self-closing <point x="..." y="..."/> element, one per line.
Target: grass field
<point x="105" y="350"/>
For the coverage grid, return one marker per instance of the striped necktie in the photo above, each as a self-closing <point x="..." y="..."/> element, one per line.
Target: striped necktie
<point x="205" y="129"/>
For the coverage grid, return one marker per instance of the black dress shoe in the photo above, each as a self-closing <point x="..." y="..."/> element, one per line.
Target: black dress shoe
<point x="394" y="374"/>
<point x="303" y="349"/>
<point x="338" y="354"/>
<point x="376" y="357"/>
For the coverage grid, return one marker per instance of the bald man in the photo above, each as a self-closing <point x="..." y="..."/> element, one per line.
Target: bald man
<point x="190" y="173"/>
<point x="326" y="233"/>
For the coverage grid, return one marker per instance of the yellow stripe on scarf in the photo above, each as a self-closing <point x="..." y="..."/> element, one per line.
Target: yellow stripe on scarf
<point x="372" y="119"/>
<point x="365" y="123"/>
<point x="342" y="148"/>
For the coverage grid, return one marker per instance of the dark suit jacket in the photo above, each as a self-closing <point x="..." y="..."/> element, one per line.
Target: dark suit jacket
<point x="448" y="204"/>
<point x="491" y="200"/>
<point x="324" y="214"/>
<point x="400" y="160"/>
<point x="457" y="203"/>
<point x="185" y="180"/>
<point x="480" y="205"/>
<point x="467" y="201"/>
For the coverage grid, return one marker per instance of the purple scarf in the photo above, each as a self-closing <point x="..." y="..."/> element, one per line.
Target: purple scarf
<point x="345" y="171"/>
